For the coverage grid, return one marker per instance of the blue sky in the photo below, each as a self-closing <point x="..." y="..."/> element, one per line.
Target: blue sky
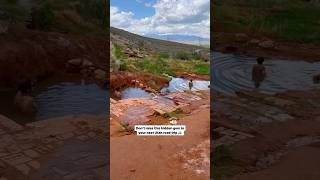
<point x="162" y="17"/>
<point x="141" y="8"/>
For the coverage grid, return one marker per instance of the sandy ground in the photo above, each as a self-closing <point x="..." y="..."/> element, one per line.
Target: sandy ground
<point x="145" y="157"/>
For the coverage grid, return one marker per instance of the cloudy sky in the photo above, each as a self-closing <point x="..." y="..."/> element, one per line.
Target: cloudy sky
<point x="183" y="17"/>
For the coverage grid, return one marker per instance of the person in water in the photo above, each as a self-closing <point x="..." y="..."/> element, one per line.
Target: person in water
<point x="258" y="72"/>
<point x="25" y="86"/>
<point x="117" y="92"/>
<point x="190" y="84"/>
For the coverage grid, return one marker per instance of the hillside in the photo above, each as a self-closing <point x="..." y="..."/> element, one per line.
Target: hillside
<point x="38" y="37"/>
<point x="289" y="20"/>
<point x="125" y="38"/>
<point x="269" y="28"/>
<point x="134" y="57"/>
<point x="72" y="16"/>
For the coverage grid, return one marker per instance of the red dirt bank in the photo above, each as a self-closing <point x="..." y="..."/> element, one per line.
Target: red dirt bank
<point x="37" y="55"/>
<point x="227" y="42"/>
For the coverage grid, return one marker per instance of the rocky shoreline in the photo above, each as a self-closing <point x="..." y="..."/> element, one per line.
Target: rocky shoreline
<point x="38" y="55"/>
<point x="137" y="111"/>
<point x="245" y="44"/>
<point x="33" y="151"/>
<point x="257" y="130"/>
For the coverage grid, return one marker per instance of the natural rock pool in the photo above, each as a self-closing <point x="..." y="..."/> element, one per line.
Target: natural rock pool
<point x="176" y="84"/>
<point x="56" y="99"/>
<point x="71" y="98"/>
<point x="134" y="92"/>
<point x="232" y="73"/>
<point x="180" y="84"/>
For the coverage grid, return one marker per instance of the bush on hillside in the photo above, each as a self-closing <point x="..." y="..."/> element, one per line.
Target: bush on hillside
<point x="183" y="55"/>
<point x="164" y="55"/>
<point x="123" y="66"/>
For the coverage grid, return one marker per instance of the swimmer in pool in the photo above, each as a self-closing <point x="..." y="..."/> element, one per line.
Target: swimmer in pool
<point x="258" y="72"/>
<point x="117" y="93"/>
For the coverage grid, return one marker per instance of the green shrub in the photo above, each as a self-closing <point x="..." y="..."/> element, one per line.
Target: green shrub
<point x="164" y="55"/>
<point x="171" y="73"/>
<point x="118" y="52"/>
<point x="125" y="126"/>
<point x="152" y="84"/>
<point x="196" y="56"/>
<point x="167" y="115"/>
<point x="123" y="66"/>
<point x="161" y="66"/>
<point x="158" y="66"/>
<point x="183" y="55"/>
<point x="141" y="45"/>
<point x="43" y="17"/>
<point x="203" y="69"/>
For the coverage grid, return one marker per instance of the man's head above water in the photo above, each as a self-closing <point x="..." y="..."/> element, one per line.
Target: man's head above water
<point x="260" y="60"/>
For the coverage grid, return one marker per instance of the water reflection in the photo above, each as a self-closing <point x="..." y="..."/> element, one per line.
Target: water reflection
<point x="134" y="93"/>
<point x="232" y="73"/>
<point x="71" y="98"/>
<point x="180" y="84"/>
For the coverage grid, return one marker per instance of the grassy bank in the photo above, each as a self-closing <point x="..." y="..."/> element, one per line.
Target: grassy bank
<point x="288" y="20"/>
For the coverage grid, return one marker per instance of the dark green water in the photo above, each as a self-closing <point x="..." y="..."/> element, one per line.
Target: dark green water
<point x="55" y="99"/>
<point x="232" y="73"/>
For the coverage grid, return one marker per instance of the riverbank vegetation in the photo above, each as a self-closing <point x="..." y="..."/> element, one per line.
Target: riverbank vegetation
<point x="159" y="63"/>
<point x="287" y="20"/>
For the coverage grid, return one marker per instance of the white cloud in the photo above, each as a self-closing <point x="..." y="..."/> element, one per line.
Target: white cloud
<point x="188" y="17"/>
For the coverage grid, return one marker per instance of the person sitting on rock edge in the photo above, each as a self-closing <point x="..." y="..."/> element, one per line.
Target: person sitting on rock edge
<point x="258" y="72"/>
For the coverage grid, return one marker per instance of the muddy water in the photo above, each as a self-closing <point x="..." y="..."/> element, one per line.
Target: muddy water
<point x="232" y="73"/>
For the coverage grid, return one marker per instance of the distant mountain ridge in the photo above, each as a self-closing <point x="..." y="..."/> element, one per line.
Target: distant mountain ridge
<point x="190" y="39"/>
